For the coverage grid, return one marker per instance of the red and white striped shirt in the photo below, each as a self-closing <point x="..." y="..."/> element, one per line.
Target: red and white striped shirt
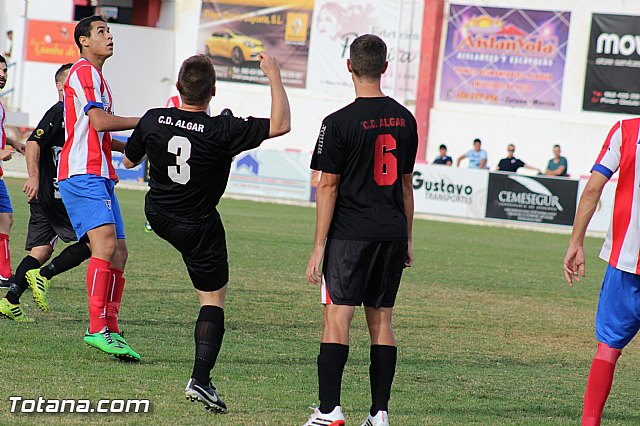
<point x="85" y="151"/>
<point x="173" y="102"/>
<point x="621" y="248"/>
<point x="3" y="133"/>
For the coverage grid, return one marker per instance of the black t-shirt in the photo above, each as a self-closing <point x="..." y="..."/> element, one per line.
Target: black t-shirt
<point x="371" y="143"/>
<point x="443" y="160"/>
<point x="49" y="134"/>
<point x="510" y="164"/>
<point x="190" y="157"/>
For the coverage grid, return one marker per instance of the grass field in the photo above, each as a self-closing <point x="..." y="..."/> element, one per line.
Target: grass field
<point x="489" y="333"/>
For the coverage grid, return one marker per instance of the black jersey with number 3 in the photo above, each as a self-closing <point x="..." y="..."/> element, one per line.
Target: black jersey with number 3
<point x="370" y="143"/>
<point x="190" y="156"/>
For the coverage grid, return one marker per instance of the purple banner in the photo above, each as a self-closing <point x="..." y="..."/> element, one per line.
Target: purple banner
<point x="507" y="57"/>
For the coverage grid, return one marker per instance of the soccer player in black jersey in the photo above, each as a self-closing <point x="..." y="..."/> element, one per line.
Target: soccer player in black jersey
<point x="48" y="220"/>
<point x="190" y="154"/>
<point x="366" y="152"/>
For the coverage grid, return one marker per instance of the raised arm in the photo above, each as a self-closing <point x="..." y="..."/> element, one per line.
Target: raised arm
<point x="280" y="122"/>
<point x="407" y="198"/>
<point x="574" y="261"/>
<point x="326" y="196"/>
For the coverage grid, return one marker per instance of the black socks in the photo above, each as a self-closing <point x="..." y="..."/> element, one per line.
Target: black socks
<point x="331" y="361"/>
<point x="208" y="336"/>
<point x="19" y="281"/>
<point x="69" y="258"/>
<point x="381" y="372"/>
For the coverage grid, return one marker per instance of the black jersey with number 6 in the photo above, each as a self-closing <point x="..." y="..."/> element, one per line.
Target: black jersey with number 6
<point x="370" y="143"/>
<point x="190" y="156"/>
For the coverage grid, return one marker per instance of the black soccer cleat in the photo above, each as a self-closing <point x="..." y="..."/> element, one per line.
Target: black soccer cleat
<point x="206" y="394"/>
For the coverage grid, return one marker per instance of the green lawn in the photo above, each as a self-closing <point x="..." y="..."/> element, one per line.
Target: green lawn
<point x="489" y="333"/>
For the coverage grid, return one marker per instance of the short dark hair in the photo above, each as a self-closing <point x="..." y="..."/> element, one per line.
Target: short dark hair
<point x="196" y="79"/>
<point x="476" y="140"/>
<point x="83" y="28"/>
<point x="556" y="146"/>
<point x="61" y="71"/>
<point x="2" y="60"/>
<point x="368" y="54"/>
<point x="443" y="146"/>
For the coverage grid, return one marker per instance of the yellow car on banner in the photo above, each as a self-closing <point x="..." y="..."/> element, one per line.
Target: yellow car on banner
<point x="235" y="46"/>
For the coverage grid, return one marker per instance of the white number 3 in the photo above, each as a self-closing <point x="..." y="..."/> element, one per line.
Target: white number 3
<point x="181" y="147"/>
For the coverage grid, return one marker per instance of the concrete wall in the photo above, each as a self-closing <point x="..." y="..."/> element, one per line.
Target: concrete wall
<point x="144" y="68"/>
<point x="140" y="73"/>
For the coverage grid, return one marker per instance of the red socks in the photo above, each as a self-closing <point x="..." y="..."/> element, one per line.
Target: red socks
<point x="5" y="256"/>
<point x="599" y="384"/>
<point x="99" y="281"/>
<point x="113" y="299"/>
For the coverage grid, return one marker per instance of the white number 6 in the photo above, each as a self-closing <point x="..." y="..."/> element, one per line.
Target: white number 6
<point x="181" y="147"/>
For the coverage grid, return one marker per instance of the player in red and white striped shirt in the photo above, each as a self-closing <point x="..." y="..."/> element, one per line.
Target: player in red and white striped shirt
<point x="87" y="181"/>
<point x="618" y="315"/>
<point x="6" y="209"/>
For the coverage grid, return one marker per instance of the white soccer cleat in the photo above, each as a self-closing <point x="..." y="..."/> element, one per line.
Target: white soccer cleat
<point x="334" y="418"/>
<point x="380" y="419"/>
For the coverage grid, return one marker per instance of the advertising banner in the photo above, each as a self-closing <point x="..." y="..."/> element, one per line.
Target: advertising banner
<point x="532" y="199"/>
<point x="450" y="191"/>
<point x="271" y="174"/>
<point x="507" y="57"/>
<point x="49" y="41"/>
<point x="234" y="32"/>
<point x="612" y="83"/>
<point x="337" y="23"/>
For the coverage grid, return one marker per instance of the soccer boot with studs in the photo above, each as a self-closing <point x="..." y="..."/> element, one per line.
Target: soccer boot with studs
<point x="334" y="418"/>
<point x="13" y="312"/>
<point x="380" y="419"/>
<point x="40" y="286"/>
<point x="206" y="394"/>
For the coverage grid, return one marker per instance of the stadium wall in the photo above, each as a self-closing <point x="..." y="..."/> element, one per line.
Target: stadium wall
<point x="580" y="133"/>
<point x="141" y="72"/>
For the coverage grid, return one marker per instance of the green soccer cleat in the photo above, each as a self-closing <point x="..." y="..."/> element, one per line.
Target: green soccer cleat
<point x="104" y="342"/>
<point x="131" y="355"/>
<point x="39" y="285"/>
<point x="12" y="312"/>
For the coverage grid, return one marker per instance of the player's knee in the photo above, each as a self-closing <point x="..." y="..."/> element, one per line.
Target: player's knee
<point x="6" y="220"/>
<point x="104" y="249"/>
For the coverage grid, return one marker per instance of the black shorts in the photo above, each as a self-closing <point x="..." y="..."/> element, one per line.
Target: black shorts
<point x="46" y="223"/>
<point x="202" y="245"/>
<point x="362" y="272"/>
